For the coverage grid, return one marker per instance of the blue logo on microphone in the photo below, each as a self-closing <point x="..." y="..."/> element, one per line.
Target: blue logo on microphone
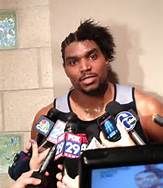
<point x="127" y="119"/>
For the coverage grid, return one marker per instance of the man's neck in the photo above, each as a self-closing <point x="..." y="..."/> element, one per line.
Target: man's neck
<point x="89" y="107"/>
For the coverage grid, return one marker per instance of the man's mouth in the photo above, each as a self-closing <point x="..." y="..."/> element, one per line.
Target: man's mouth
<point x="88" y="79"/>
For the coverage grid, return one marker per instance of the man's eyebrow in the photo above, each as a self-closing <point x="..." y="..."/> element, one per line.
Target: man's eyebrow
<point x="84" y="55"/>
<point x="70" y="58"/>
<point x="91" y="51"/>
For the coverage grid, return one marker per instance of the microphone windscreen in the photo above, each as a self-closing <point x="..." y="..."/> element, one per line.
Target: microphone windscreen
<point x="53" y="114"/>
<point x="113" y="108"/>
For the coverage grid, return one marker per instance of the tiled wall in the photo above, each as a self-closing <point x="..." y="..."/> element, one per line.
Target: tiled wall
<point x="26" y="81"/>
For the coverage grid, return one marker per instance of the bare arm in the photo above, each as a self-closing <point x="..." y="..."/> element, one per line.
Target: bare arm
<point x="148" y="106"/>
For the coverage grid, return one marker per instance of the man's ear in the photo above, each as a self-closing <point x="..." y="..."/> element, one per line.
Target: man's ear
<point x="107" y="62"/>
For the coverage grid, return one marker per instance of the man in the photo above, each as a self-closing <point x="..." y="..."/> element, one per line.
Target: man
<point x="87" y="55"/>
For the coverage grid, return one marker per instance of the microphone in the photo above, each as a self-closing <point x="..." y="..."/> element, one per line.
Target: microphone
<point x="40" y="173"/>
<point x="129" y="120"/>
<point x="21" y="160"/>
<point x="45" y="125"/>
<point x="70" y="146"/>
<point x="51" y="134"/>
<point x="107" y="122"/>
<point x="158" y="119"/>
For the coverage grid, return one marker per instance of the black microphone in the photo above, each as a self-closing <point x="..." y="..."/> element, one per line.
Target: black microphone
<point x="129" y="120"/>
<point x="40" y="174"/>
<point x="51" y="135"/>
<point x="158" y="119"/>
<point x="107" y="122"/>
<point x="70" y="146"/>
<point x="44" y="126"/>
<point x="21" y="160"/>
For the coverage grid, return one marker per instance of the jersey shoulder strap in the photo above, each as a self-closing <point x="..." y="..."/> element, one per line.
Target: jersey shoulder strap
<point x="124" y="94"/>
<point x="62" y="104"/>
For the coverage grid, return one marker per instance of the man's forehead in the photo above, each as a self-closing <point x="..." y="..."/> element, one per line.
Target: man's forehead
<point x="80" y="48"/>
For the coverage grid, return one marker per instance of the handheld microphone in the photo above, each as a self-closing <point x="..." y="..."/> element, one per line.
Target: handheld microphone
<point x="45" y="125"/>
<point x="40" y="173"/>
<point x="51" y="131"/>
<point x="107" y="122"/>
<point x="21" y="160"/>
<point x="70" y="146"/>
<point x="158" y="119"/>
<point x="129" y="119"/>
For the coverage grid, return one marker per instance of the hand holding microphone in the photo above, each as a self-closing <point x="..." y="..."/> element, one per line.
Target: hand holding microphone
<point x="124" y="122"/>
<point x="37" y="156"/>
<point x="51" y="138"/>
<point x="25" y="179"/>
<point x="21" y="160"/>
<point x="70" y="145"/>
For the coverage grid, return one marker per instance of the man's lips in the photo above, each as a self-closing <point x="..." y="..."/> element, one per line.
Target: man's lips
<point x="87" y="76"/>
<point x="88" y="79"/>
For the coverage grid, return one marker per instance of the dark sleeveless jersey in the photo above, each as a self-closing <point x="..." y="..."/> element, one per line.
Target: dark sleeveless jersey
<point x="123" y="94"/>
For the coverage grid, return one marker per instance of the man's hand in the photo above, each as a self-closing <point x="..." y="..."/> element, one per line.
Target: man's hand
<point x="26" y="179"/>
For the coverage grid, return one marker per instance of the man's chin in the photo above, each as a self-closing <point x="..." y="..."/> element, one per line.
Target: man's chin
<point x="96" y="91"/>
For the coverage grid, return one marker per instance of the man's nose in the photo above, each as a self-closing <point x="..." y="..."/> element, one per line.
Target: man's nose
<point x="85" y="65"/>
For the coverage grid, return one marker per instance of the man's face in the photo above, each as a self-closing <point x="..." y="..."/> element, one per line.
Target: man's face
<point x="147" y="180"/>
<point x="86" y="66"/>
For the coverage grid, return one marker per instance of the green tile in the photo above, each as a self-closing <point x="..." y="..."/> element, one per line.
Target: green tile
<point x="7" y="29"/>
<point x="9" y="145"/>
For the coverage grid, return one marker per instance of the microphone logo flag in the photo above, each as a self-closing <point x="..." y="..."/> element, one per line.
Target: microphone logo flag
<point x="44" y="125"/>
<point x="68" y="145"/>
<point x="57" y="130"/>
<point x="127" y="119"/>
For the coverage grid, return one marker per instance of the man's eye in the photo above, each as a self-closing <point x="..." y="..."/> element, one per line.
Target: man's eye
<point x="93" y="56"/>
<point x="71" y="62"/>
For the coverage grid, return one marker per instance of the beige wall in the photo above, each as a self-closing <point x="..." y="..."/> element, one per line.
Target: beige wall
<point x="26" y="81"/>
<point x="29" y="79"/>
<point x="137" y="28"/>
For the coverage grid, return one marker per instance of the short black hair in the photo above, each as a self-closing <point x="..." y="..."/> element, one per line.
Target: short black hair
<point x="89" y="30"/>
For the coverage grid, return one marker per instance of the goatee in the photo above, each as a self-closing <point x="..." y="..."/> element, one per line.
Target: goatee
<point x="99" y="91"/>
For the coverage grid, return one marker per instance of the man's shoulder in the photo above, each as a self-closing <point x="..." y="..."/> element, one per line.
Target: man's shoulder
<point x="146" y="102"/>
<point x="45" y="109"/>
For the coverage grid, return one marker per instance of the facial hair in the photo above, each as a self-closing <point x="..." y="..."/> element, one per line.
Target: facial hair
<point x="99" y="91"/>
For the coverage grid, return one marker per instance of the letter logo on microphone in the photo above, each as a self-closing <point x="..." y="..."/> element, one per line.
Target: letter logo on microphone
<point x="127" y="119"/>
<point x="69" y="145"/>
<point x="44" y="125"/>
